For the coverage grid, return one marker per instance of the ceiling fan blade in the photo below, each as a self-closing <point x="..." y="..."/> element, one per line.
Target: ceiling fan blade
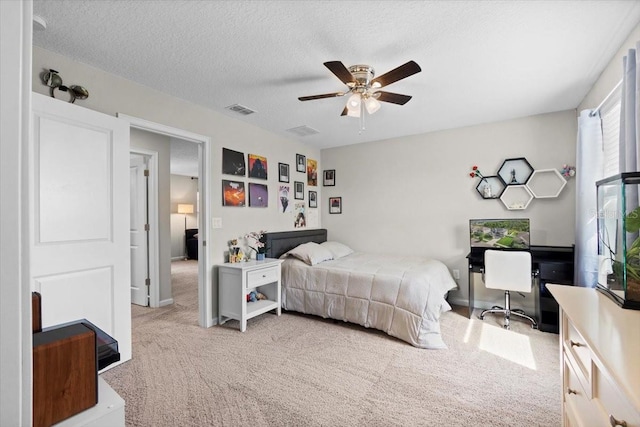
<point x="344" y="112"/>
<point x="394" y="98"/>
<point x="403" y="71"/>
<point x="325" y="95"/>
<point x="341" y="72"/>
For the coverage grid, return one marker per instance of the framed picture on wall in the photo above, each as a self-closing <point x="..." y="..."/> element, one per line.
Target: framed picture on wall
<point x="312" y="172"/>
<point x="329" y="178"/>
<point x="283" y="172"/>
<point x="233" y="193"/>
<point x="257" y="166"/>
<point x="258" y="195"/>
<point x="335" y="205"/>
<point x="233" y="162"/>
<point x="298" y="192"/>
<point x="301" y="163"/>
<point x="313" y="199"/>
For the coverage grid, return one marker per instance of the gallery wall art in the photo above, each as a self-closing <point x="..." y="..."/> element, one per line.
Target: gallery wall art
<point x="312" y="172"/>
<point x="284" y="202"/>
<point x="301" y="163"/>
<point x="233" y="193"/>
<point x="233" y="162"/>
<point x="299" y="215"/>
<point x="283" y="172"/>
<point x="329" y="178"/>
<point x="257" y="166"/>
<point x="258" y="195"/>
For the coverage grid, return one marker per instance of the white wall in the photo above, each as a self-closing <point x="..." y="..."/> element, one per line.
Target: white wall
<point x="111" y="94"/>
<point x="183" y="190"/>
<point x="15" y="299"/>
<point x="415" y="195"/>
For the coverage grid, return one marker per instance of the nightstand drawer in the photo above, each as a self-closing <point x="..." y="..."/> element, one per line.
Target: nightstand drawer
<point x="262" y="276"/>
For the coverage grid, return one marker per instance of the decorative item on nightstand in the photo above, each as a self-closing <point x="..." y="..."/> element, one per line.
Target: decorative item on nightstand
<point x="255" y="240"/>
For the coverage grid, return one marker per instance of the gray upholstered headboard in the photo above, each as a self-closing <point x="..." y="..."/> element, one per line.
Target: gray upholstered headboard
<point x="281" y="242"/>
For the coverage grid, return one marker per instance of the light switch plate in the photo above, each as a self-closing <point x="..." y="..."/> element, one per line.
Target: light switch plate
<point x="216" y="222"/>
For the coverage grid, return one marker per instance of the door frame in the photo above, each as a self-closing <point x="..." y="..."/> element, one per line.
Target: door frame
<point x="205" y="292"/>
<point x="153" y="253"/>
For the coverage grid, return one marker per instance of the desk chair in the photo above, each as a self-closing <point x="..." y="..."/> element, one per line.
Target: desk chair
<point x="511" y="271"/>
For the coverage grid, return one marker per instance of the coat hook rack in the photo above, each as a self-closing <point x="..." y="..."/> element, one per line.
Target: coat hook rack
<point x="52" y="79"/>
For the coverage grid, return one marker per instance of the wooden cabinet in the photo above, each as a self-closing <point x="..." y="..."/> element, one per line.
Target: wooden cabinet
<point x="599" y="347"/>
<point x="237" y="280"/>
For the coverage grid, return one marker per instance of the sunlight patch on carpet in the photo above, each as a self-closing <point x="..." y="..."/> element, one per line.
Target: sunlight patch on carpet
<point x="508" y="345"/>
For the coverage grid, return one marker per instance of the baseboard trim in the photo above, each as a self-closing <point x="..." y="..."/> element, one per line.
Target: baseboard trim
<point x="165" y="302"/>
<point x="458" y="301"/>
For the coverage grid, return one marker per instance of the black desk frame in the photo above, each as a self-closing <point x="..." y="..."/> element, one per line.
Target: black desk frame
<point x="552" y="264"/>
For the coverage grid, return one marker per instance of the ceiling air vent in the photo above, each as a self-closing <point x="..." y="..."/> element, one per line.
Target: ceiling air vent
<point x="303" y="131"/>
<point x="240" y="109"/>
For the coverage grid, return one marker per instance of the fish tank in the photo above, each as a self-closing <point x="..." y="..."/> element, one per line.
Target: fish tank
<point x="618" y="222"/>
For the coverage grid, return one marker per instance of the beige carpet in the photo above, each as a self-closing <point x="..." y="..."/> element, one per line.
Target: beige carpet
<point x="298" y="370"/>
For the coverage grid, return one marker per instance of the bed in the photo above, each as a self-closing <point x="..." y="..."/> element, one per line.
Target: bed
<point x="400" y="295"/>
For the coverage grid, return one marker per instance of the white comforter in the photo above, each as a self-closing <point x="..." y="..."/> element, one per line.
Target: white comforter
<point x="400" y="295"/>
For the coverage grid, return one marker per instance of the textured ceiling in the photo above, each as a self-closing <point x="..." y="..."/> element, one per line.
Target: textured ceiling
<point x="482" y="61"/>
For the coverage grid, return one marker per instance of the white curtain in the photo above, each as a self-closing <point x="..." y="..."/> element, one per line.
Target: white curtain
<point x="629" y="111"/>
<point x="629" y="122"/>
<point x="589" y="168"/>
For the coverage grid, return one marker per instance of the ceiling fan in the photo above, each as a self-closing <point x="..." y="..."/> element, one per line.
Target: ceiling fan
<point x="363" y="87"/>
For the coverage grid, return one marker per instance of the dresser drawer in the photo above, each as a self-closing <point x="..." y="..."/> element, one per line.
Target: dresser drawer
<point x="579" y="408"/>
<point x="576" y="349"/>
<point x="612" y="403"/>
<point x="262" y="276"/>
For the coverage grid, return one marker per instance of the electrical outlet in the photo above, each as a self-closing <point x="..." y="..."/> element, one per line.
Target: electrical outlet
<point x="217" y="222"/>
<point x="456" y="274"/>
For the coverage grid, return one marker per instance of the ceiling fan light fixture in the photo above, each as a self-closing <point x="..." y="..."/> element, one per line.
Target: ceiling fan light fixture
<point x="353" y="103"/>
<point x="353" y="112"/>
<point x="371" y="104"/>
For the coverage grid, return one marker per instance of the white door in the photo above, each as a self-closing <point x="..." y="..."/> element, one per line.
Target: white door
<point x="79" y="217"/>
<point x="139" y="233"/>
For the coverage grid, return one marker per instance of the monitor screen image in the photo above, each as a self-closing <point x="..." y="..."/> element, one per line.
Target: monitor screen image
<point x="499" y="233"/>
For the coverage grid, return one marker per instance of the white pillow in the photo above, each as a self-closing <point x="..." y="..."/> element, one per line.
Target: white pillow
<point x="310" y="253"/>
<point x="337" y="249"/>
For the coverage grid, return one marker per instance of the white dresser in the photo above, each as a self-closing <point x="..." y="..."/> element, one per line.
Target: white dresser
<point x="236" y="280"/>
<point x="599" y="359"/>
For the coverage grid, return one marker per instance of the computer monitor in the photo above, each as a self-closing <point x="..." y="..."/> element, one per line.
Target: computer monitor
<point x="512" y="233"/>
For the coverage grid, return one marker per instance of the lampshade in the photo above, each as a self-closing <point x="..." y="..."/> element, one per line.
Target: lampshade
<point x="372" y="105"/>
<point x="353" y="103"/>
<point x="185" y="209"/>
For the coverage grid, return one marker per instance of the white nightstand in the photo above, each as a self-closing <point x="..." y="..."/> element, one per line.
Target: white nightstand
<point x="236" y="280"/>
